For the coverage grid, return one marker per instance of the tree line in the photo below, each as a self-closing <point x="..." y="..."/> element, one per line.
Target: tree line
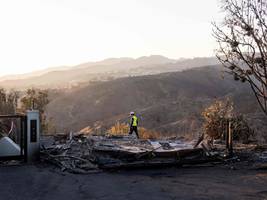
<point x="14" y="102"/>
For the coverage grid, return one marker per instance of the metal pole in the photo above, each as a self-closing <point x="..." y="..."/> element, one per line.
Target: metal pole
<point x="25" y="135"/>
<point x="226" y="127"/>
<point x="22" y="147"/>
<point x="230" y="139"/>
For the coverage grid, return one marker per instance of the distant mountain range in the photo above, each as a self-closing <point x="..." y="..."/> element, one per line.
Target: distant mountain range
<point x="32" y="74"/>
<point x="170" y="103"/>
<point x="113" y="68"/>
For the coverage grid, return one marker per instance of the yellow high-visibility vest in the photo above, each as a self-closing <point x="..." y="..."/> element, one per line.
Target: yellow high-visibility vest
<point x="135" y="121"/>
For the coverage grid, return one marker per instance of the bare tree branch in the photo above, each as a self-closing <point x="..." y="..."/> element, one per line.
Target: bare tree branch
<point x="242" y="44"/>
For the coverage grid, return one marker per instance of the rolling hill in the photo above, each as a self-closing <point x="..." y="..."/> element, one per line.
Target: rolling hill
<point x="113" y="68"/>
<point x="170" y="103"/>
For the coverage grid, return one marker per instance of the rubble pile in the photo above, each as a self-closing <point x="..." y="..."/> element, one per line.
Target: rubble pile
<point x="74" y="156"/>
<point x="93" y="153"/>
<point x="90" y="154"/>
<point x="260" y="157"/>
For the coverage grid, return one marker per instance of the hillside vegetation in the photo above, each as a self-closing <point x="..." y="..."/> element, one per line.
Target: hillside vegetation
<point x="169" y="103"/>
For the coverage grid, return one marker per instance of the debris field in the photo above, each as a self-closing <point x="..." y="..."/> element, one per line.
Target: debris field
<point x="90" y="154"/>
<point x="87" y="154"/>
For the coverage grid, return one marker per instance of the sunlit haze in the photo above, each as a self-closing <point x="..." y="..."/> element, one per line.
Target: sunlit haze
<point x="37" y="34"/>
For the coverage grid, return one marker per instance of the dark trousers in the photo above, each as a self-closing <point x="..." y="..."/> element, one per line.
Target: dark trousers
<point x="134" y="129"/>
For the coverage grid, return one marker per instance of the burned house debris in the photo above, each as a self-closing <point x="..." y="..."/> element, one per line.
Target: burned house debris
<point x="89" y="154"/>
<point x="78" y="153"/>
<point x="82" y="154"/>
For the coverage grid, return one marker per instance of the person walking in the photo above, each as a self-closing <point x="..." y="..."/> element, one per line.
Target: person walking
<point x="133" y="124"/>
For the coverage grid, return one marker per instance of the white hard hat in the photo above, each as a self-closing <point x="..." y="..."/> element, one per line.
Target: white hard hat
<point x="131" y="113"/>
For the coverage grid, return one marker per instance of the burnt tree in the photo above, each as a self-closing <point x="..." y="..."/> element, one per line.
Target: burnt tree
<point x="242" y="44"/>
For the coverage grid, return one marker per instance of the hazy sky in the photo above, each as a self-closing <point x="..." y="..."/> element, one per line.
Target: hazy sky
<point x="36" y="34"/>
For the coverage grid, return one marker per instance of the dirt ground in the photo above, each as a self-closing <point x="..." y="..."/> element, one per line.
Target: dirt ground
<point x="38" y="182"/>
